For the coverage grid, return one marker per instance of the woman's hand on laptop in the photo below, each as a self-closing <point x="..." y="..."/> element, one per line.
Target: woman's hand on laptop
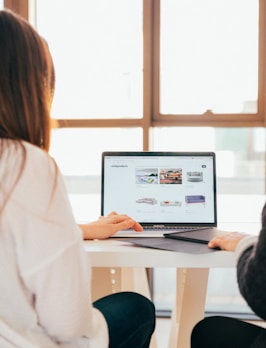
<point x="228" y="241"/>
<point x="108" y="225"/>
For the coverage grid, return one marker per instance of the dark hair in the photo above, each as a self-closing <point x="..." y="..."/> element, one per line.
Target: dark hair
<point x="27" y="82"/>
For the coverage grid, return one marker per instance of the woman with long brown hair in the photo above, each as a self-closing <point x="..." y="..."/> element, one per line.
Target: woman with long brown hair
<point x="45" y="279"/>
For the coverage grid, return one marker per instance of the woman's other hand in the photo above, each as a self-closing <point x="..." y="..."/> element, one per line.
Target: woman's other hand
<point x="228" y="241"/>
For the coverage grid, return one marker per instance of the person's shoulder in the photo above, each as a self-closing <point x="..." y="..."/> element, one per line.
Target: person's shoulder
<point x="33" y="167"/>
<point x="35" y="152"/>
<point x="39" y="178"/>
<point x="22" y="149"/>
<point x="38" y="160"/>
<point x="22" y="157"/>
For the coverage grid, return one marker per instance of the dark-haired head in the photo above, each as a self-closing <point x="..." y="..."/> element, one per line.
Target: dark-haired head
<point x="26" y="82"/>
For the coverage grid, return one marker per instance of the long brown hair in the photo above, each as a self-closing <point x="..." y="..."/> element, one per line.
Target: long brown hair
<point x="27" y="82"/>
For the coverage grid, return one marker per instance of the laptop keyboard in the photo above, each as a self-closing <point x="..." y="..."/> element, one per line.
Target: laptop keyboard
<point x="173" y="229"/>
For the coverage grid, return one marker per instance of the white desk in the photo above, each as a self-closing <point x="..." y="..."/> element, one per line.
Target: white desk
<point x="119" y="266"/>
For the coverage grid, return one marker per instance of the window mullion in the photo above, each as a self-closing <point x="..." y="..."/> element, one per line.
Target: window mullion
<point x="147" y="71"/>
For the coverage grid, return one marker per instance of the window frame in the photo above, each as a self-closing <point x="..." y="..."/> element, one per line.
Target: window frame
<point x="151" y="87"/>
<point x="151" y="62"/>
<point x="208" y="118"/>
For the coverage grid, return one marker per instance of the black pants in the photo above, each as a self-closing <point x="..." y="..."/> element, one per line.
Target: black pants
<point x="130" y="318"/>
<point x="223" y="332"/>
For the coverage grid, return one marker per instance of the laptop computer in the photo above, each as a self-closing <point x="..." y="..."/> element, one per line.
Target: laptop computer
<point x="166" y="192"/>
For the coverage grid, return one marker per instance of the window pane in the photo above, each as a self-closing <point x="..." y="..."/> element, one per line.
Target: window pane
<point x="240" y="153"/>
<point x="1" y="4"/>
<point x="240" y="172"/>
<point x="78" y="154"/>
<point x="97" y="51"/>
<point x="209" y="56"/>
<point x="77" y="151"/>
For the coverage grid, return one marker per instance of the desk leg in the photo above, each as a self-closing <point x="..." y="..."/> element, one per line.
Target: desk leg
<point x="191" y="289"/>
<point x="101" y="284"/>
<point x="106" y="280"/>
<point x="134" y="279"/>
<point x="111" y="280"/>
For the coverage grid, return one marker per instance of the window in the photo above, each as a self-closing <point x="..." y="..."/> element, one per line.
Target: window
<point x="239" y="153"/>
<point x="240" y="166"/>
<point x="97" y="51"/>
<point x="100" y="55"/>
<point x="208" y="57"/>
<point x="197" y="62"/>
<point x="158" y="75"/>
<point x="78" y="154"/>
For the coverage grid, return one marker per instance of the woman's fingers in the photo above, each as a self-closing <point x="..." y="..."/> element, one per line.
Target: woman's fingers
<point x="227" y="241"/>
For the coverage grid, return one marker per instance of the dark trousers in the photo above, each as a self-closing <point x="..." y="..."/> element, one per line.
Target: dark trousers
<point x="130" y="318"/>
<point x="223" y="332"/>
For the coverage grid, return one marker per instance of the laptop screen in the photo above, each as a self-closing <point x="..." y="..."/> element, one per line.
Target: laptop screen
<point x="168" y="188"/>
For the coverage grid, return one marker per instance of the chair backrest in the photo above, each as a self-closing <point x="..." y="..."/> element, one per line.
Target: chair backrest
<point x="9" y="338"/>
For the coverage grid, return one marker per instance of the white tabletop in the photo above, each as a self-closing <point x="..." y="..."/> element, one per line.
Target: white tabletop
<point x="235" y="213"/>
<point x="113" y="253"/>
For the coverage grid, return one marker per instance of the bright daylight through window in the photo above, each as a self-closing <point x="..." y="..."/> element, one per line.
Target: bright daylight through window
<point x="97" y="50"/>
<point x="209" y="56"/>
<point x="118" y="70"/>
